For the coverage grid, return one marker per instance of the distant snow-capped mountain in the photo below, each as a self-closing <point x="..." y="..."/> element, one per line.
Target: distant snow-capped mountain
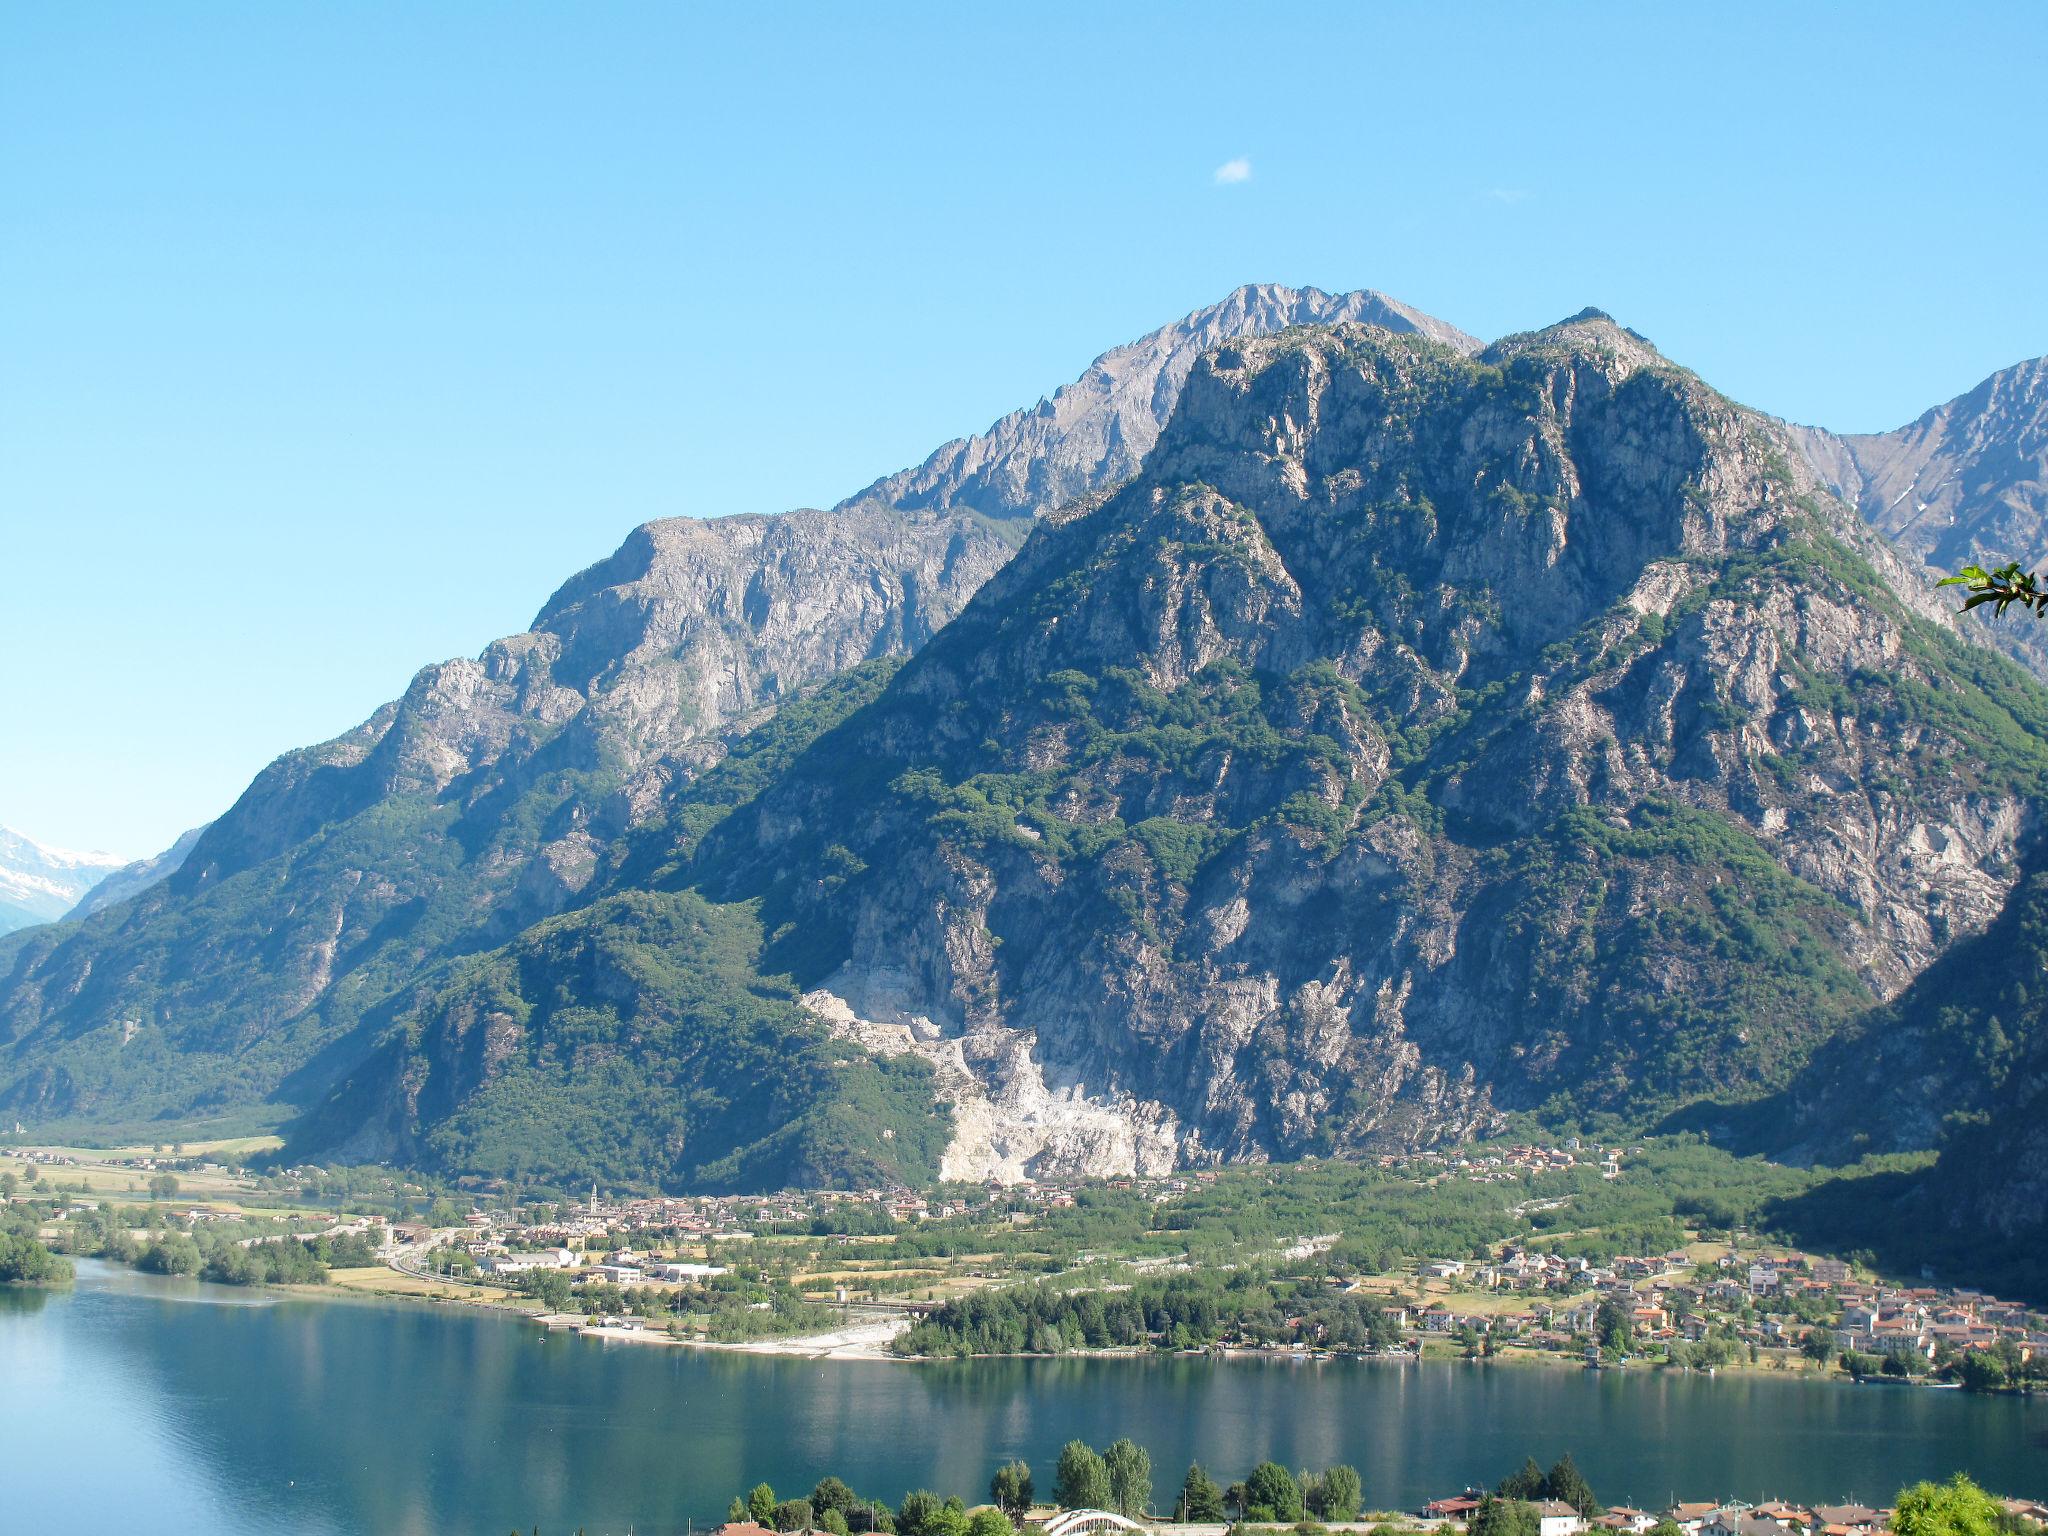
<point x="39" y="884"/>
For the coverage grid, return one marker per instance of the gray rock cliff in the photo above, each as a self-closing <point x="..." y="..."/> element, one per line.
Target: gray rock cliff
<point x="497" y="789"/>
<point x="1416" y="738"/>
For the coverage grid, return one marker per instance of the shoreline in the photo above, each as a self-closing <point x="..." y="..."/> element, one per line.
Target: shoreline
<point x="867" y="1342"/>
<point x="861" y="1342"/>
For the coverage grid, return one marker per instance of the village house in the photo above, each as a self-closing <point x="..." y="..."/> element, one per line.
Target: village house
<point x="1458" y="1507"/>
<point x="1632" y="1522"/>
<point x="1691" y="1518"/>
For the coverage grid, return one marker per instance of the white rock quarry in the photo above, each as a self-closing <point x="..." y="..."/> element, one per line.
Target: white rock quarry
<point x="1009" y="1124"/>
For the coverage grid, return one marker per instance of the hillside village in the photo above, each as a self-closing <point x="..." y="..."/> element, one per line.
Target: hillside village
<point x="1686" y="1306"/>
<point x="1245" y="1510"/>
<point x="801" y="1262"/>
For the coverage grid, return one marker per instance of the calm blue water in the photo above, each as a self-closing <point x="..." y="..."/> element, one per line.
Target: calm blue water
<point x="137" y="1404"/>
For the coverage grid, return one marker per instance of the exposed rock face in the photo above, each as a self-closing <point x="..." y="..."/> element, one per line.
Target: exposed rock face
<point x="496" y="791"/>
<point x="1965" y="483"/>
<point x="1414" y="738"/>
<point x="485" y="799"/>
<point x="1096" y="431"/>
<point x="1967" y="479"/>
<point x="1417" y="736"/>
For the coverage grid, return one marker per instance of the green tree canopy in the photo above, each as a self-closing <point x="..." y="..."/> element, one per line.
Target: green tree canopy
<point x="1337" y="1495"/>
<point x="1271" y="1494"/>
<point x="1081" y="1480"/>
<point x="1010" y="1489"/>
<point x="1200" y="1499"/>
<point x="171" y="1254"/>
<point x="1613" y="1326"/>
<point x="1980" y="1371"/>
<point x="1957" y="1507"/>
<point x="1565" y="1482"/>
<point x="24" y="1261"/>
<point x="1504" y="1517"/>
<point x="760" y="1503"/>
<point x="1130" y="1478"/>
<point x="551" y="1288"/>
<point x="919" y="1513"/>
<point x="832" y="1493"/>
<point x="1524" y="1483"/>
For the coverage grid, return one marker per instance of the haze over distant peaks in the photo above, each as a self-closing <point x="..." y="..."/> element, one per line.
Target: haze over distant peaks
<point x="132" y="879"/>
<point x="39" y="884"/>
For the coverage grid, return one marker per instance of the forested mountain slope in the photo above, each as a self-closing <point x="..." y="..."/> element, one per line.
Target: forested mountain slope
<point x="500" y="790"/>
<point x="1418" y="737"/>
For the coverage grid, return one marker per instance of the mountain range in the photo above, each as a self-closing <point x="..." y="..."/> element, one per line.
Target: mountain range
<point x="1310" y="732"/>
<point x="39" y="884"/>
<point x="1966" y="482"/>
<point x="132" y="879"/>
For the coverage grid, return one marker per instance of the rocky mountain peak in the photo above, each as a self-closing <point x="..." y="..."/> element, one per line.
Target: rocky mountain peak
<point x="1964" y="483"/>
<point x="1096" y="431"/>
<point x="499" y="789"/>
<point x="1967" y="480"/>
<point x="1324" y="786"/>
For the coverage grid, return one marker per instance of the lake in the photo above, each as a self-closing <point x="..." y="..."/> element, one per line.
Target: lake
<point x="139" y="1404"/>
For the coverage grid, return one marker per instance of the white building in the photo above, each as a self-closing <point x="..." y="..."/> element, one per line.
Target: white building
<point x="688" y="1271"/>
<point x="520" y="1263"/>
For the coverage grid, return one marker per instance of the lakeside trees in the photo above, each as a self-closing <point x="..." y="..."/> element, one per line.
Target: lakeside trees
<point x="1957" y="1507"/>
<point x="25" y="1261"/>
<point x="173" y="1253"/>
<point x="1010" y="1489"/>
<point x="1272" y="1495"/>
<point x="1129" y="1467"/>
<point x="1200" y="1499"/>
<point x="1498" y="1516"/>
<point x="1081" y="1481"/>
<point x="1189" y="1311"/>
<point x="1564" y="1482"/>
<point x="1117" y="1478"/>
<point x="1335" y="1495"/>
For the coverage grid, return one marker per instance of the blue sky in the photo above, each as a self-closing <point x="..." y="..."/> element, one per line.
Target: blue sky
<point x="333" y="338"/>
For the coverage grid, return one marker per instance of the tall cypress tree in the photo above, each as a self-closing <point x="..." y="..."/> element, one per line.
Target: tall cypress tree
<point x="1200" y="1499"/>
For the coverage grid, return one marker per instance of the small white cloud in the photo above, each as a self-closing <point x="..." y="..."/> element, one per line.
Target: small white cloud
<point x="1508" y="194"/>
<point x="1231" y="172"/>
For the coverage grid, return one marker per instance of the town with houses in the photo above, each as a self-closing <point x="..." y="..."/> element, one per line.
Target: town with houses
<point x="1763" y="1307"/>
<point x="1754" y="1303"/>
<point x="1554" y="1517"/>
